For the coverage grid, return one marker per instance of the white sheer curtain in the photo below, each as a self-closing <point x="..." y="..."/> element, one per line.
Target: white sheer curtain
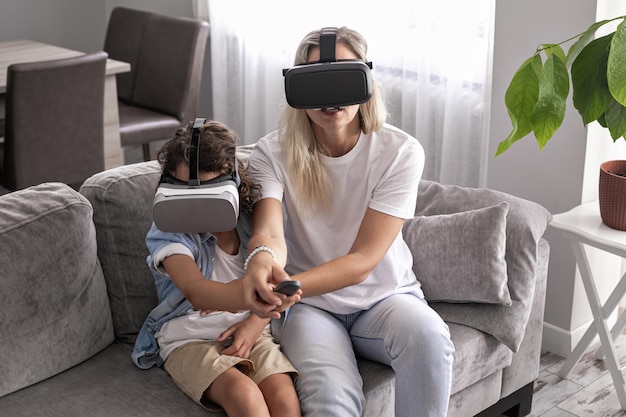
<point x="433" y="59"/>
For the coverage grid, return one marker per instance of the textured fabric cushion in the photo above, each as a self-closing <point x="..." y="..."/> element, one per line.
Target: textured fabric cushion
<point x="476" y="356"/>
<point x="460" y="257"/>
<point x="53" y="304"/>
<point x="107" y="385"/>
<point x="525" y="224"/>
<point x="122" y="201"/>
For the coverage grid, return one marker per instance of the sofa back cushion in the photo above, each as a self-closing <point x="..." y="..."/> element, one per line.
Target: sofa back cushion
<point x="122" y="202"/>
<point x="53" y="303"/>
<point x="526" y="223"/>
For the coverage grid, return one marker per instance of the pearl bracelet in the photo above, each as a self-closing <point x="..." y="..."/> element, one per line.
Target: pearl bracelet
<point x="255" y="252"/>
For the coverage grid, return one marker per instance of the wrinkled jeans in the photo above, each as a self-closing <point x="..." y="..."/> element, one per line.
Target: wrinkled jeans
<point x="401" y="331"/>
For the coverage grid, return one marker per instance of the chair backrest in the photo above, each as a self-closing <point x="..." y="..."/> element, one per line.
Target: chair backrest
<point x="54" y="121"/>
<point x="166" y="54"/>
<point x="123" y="42"/>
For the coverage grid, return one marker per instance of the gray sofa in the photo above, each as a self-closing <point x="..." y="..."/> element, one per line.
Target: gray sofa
<point x="75" y="290"/>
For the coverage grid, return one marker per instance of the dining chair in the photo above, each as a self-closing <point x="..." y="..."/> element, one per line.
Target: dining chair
<point x="2" y="115"/>
<point x="161" y="91"/>
<point x="54" y="121"/>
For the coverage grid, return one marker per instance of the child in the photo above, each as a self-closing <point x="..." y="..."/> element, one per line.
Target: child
<point x="215" y="352"/>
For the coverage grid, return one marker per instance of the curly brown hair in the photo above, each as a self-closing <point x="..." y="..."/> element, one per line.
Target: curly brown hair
<point x="217" y="148"/>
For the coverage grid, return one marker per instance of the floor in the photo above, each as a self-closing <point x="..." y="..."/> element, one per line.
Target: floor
<point x="588" y="391"/>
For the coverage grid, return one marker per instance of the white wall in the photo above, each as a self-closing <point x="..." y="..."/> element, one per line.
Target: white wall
<point x="565" y="173"/>
<point x="74" y="24"/>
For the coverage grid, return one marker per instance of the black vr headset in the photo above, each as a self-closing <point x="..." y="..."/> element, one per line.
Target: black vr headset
<point x="328" y="83"/>
<point x="197" y="206"/>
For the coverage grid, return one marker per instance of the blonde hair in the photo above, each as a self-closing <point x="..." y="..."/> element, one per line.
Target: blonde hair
<point x="307" y="173"/>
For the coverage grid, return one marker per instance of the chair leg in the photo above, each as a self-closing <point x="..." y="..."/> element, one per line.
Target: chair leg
<point x="146" y="151"/>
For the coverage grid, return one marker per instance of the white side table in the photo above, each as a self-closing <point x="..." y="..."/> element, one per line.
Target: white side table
<point x="581" y="226"/>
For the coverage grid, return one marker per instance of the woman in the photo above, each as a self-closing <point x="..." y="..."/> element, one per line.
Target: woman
<point x="346" y="181"/>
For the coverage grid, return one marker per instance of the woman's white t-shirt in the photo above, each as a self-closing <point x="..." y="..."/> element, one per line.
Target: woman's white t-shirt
<point x="381" y="172"/>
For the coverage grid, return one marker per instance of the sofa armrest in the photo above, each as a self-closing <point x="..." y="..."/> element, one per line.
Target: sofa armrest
<point x="53" y="304"/>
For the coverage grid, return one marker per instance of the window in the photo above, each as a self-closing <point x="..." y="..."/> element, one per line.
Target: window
<point x="433" y="59"/>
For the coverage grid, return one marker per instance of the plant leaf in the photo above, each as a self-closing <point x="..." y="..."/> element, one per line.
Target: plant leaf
<point x="616" y="70"/>
<point x="554" y="48"/>
<point x="548" y="113"/>
<point x="589" y="79"/>
<point x="616" y="119"/>
<point x="583" y="40"/>
<point x="520" y="99"/>
<point x="516" y="134"/>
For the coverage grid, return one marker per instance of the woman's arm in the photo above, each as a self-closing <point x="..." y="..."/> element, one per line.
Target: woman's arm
<point x="205" y="294"/>
<point x="376" y="234"/>
<point x="263" y="272"/>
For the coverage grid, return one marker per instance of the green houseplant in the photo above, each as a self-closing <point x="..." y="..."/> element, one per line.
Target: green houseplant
<point x="536" y="96"/>
<point x="536" y="101"/>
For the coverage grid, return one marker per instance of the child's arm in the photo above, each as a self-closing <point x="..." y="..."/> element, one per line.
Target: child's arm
<point x="244" y="334"/>
<point x="203" y="294"/>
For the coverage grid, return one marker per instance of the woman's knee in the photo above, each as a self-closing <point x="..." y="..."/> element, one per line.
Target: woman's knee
<point x="406" y="325"/>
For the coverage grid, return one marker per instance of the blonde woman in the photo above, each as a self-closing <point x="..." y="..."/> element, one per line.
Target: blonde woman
<point x="346" y="180"/>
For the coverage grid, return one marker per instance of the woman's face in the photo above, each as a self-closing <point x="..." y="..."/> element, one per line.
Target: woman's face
<point x="335" y="118"/>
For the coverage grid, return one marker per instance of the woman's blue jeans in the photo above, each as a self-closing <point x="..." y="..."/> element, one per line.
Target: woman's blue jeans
<point x="401" y="331"/>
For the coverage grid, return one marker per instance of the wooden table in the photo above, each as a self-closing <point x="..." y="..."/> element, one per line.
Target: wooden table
<point x="583" y="226"/>
<point x="23" y="50"/>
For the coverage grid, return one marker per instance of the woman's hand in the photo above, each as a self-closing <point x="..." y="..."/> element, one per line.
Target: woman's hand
<point x="265" y="269"/>
<point x="259" y="281"/>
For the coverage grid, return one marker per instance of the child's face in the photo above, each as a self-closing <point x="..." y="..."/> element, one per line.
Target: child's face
<point x="182" y="174"/>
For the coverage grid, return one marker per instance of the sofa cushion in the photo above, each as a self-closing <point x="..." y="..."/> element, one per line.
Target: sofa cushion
<point x="460" y="257"/>
<point x="525" y="225"/>
<point x="107" y="385"/>
<point x="476" y="356"/>
<point x="122" y="201"/>
<point x="55" y="311"/>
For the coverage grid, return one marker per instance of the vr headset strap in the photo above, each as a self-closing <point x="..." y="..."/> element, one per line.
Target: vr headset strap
<point x="194" y="159"/>
<point x="328" y="39"/>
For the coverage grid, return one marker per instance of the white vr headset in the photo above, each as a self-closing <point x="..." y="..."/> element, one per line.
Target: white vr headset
<point x="197" y="206"/>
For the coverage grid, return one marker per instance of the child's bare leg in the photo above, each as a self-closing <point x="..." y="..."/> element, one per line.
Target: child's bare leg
<point x="238" y="395"/>
<point x="280" y="396"/>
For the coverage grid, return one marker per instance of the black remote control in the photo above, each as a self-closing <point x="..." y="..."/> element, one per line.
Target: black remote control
<point x="228" y="341"/>
<point x="288" y="287"/>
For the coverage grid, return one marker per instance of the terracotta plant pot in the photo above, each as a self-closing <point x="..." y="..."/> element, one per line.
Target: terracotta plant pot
<point x="613" y="194"/>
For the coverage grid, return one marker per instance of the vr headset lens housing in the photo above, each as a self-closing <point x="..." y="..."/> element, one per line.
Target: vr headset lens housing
<point x="194" y="206"/>
<point x="328" y="82"/>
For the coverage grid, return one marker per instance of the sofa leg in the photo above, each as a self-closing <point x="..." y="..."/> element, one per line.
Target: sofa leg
<point x="518" y="404"/>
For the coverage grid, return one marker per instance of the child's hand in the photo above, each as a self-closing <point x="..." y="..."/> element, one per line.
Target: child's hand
<point x="244" y="335"/>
